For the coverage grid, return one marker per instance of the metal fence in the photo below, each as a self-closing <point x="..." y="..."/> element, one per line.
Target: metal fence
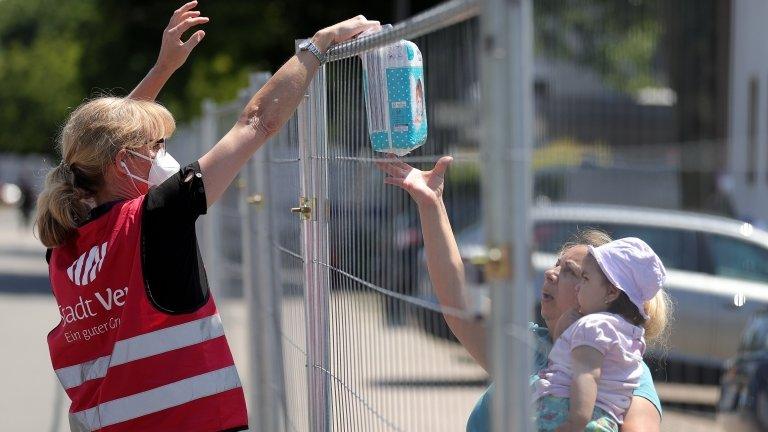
<point x="346" y="333"/>
<point x="536" y="106"/>
<point x="631" y="119"/>
<point x="364" y="346"/>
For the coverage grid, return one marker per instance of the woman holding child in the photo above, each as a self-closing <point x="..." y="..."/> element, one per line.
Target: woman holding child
<point x="593" y="277"/>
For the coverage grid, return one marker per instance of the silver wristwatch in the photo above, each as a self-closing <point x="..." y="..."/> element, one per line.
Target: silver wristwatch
<point x="308" y="45"/>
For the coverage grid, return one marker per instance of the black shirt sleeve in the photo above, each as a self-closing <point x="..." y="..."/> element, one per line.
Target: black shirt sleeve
<point x="174" y="274"/>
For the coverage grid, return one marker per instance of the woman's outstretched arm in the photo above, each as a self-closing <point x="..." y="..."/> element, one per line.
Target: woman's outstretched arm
<point x="173" y="51"/>
<point x="270" y="108"/>
<point x="444" y="264"/>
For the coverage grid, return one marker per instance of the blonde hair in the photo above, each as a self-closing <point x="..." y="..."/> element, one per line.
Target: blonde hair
<point x="660" y="310"/>
<point x="89" y="141"/>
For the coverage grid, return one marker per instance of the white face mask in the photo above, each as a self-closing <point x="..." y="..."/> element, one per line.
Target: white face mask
<point x="163" y="167"/>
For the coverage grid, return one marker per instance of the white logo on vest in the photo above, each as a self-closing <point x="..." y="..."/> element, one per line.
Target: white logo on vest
<point x="84" y="269"/>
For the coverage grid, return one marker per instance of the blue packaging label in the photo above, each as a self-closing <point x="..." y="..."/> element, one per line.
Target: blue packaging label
<point x="407" y="111"/>
<point x="393" y="81"/>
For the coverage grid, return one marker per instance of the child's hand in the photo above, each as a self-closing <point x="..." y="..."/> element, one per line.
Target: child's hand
<point x="569" y="317"/>
<point x="173" y="51"/>
<point x="423" y="186"/>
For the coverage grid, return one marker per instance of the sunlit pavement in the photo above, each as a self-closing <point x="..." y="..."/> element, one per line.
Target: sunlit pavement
<point x="30" y="399"/>
<point x="29" y="394"/>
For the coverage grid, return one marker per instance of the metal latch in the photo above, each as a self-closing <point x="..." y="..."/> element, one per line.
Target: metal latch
<point x="496" y="262"/>
<point x="304" y="210"/>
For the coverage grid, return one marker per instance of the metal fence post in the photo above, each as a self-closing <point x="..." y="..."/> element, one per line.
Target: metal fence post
<point x="312" y="141"/>
<point x="266" y="382"/>
<point x="507" y="60"/>
<point x="322" y="242"/>
<point x="212" y="221"/>
<point x="276" y="289"/>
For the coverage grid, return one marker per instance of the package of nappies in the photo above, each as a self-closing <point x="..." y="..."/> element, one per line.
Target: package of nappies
<point x="393" y="80"/>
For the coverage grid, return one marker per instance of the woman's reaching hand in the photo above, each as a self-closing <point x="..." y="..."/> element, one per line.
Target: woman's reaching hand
<point x="425" y="187"/>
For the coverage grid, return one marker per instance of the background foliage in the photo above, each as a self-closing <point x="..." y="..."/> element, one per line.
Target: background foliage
<point x="54" y="54"/>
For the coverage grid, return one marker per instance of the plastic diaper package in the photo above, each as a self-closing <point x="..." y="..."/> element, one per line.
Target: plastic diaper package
<point x="393" y="82"/>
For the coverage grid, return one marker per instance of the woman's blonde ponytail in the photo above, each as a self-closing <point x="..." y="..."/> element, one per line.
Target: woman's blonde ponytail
<point x="89" y="142"/>
<point x="60" y="208"/>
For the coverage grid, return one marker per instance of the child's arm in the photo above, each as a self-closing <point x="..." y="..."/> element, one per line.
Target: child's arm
<point x="587" y="364"/>
<point x="173" y="51"/>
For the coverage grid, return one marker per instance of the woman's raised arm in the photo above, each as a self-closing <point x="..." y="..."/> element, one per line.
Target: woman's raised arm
<point x="444" y="264"/>
<point x="173" y="51"/>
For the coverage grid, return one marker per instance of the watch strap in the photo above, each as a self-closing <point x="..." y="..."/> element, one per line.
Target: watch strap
<point x="308" y="45"/>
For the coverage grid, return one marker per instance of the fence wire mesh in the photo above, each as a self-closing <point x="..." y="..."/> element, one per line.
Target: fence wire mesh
<point x="358" y="339"/>
<point x="631" y="124"/>
<point x="393" y="365"/>
<point x="283" y="168"/>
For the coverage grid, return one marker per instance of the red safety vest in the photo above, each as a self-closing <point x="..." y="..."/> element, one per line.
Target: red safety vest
<point x="125" y="365"/>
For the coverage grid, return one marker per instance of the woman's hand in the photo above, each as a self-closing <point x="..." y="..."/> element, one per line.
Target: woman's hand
<point x="173" y="51"/>
<point x="425" y="187"/>
<point x="343" y="31"/>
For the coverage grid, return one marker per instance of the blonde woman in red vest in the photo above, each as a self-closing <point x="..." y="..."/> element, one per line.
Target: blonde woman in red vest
<point x="140" y="345"/>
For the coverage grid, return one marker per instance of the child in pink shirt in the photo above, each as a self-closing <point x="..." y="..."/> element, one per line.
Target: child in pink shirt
<point x="596" y="363"/>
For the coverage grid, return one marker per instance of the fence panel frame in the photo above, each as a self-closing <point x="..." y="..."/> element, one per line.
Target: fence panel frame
<point x="212" y="221"/>
<point x="506" y="47"/>
<point x="312" y="118"/>
<point x="267" y="386"/>
<point x="507" y="62"/>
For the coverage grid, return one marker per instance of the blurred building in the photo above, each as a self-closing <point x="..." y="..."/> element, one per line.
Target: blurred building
<point x="747" y="173"/>
<point x="633" y="95"/>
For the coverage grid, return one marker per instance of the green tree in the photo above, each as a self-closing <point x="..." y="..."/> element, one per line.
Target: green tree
<point x="619" y="39"/>
<point x="40" y="56"/>
<point x="55" y="54"/>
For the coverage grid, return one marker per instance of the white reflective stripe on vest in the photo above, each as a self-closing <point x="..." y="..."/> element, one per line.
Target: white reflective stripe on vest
<point x="73" y="376"/>
<point x="157" y="399"/>
<point x="142" y="346"/>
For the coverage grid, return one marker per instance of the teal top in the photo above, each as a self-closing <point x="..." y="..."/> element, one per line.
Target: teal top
<point x="480" y="419"/>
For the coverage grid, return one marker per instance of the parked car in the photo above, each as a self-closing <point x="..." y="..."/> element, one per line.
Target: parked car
<point x="743" y="404"/>
<point x="717" y="269"/>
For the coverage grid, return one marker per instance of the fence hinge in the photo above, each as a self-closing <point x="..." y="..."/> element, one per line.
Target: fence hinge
<point x="497" y="263"/>
<point x="304" y="210"/>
